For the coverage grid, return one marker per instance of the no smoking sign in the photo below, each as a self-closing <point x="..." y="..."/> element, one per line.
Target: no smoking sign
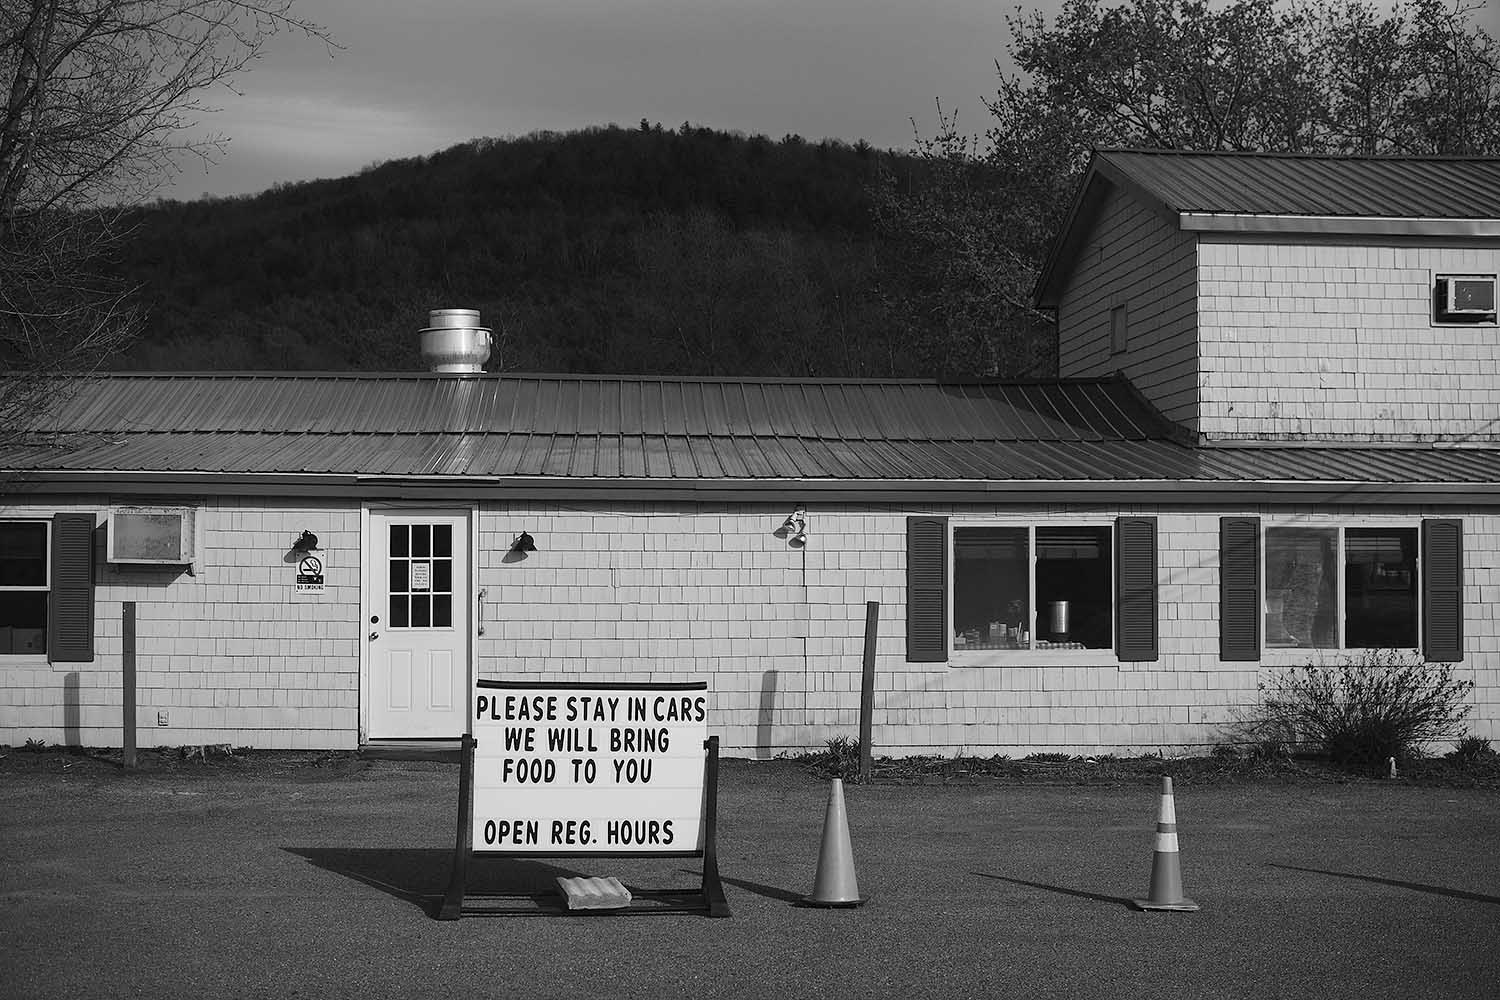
<point x="310" y="575"/>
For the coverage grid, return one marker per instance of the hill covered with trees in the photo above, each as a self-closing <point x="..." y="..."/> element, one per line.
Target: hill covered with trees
<point x="648" y="250"/>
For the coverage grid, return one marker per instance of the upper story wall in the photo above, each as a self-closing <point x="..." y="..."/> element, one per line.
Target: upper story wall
<point x="1139" y="262"/>
<point x="1337" y="340"/>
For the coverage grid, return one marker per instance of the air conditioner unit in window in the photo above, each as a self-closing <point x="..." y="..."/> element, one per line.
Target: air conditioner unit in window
<point x="153" y="536"/>
<point x="1466" y="296"/>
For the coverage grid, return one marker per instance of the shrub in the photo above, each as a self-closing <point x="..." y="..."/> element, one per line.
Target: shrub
<point x="1471" y="748"/>
<point x="843" y="757"/>
<point x="1360" y="714"/>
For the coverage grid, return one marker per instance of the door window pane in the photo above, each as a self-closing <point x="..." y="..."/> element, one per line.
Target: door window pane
<point x="1074" y="586"/>
<point x="421" y="576"/>
<point x="400" y="611"/>
<point x="421" y="611"/>
<point x="991" y="588"/>
<point x="1302" y="588"/>
<point x="1380" y="588"/>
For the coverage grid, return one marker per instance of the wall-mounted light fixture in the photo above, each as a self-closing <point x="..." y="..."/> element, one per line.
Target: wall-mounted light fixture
<point x="523" y="543"/>
<point x="794" y="528"/>
<point x="305" y="543"/>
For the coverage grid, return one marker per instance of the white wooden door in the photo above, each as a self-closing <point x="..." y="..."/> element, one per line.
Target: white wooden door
<point x="417" y="624"/>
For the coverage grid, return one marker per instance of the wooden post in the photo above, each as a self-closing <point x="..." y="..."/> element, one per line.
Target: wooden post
<point x="867" y="688"/>
<point x="127" y="663"/>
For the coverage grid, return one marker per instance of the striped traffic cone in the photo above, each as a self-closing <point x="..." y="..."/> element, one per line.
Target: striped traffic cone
<point x="1166" y="871"/>
<point x="835" y="884"/>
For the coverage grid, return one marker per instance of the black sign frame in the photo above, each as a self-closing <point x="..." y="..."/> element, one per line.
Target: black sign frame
<point x="709" y="900"/>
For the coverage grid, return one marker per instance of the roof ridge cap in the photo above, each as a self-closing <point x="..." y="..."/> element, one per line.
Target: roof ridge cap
<point x="1275" y="155"/>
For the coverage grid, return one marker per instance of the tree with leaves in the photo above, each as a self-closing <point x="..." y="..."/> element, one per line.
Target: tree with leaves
<point x="99" y="99"/>
<point x="962" y="251"/>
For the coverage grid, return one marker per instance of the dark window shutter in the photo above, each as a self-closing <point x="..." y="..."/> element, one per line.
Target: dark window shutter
<point x="1443" y="590"/>
<point x="926" y="589"/>
<point x="1135" y="588"/>
<point x="1239" y="588"/>
<point x="70" y="611"/>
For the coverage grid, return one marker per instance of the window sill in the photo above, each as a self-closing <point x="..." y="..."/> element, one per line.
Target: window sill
<point x="1034" y="658"/>
<point x="25" y="660"/>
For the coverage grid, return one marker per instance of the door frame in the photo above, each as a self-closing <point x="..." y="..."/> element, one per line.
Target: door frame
<point x="368" y="575"/>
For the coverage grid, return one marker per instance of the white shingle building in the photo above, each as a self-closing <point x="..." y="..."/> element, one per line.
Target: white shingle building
<point x="1276" y="441"/>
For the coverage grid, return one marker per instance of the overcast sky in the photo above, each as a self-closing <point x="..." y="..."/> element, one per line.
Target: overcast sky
<point x="415" y="77"/>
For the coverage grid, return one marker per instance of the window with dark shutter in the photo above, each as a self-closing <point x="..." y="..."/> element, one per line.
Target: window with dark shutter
<point x="1442" y="573"/>
<point x="1135" y="588"/>
<point x="1239" y="588"/>
<point x="926" y="589"/>
<point x="70" y="618"/>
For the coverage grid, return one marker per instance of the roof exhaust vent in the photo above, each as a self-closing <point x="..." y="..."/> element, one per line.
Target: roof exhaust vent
<point x="454" y="343"/>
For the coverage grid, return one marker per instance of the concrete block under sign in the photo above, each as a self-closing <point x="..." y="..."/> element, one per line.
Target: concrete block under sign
<point x="594" y="893"/>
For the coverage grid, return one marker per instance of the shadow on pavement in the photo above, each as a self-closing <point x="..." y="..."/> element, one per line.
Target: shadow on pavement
<point x="768" y="891"/>
<point x="1096" y="897"/>
<point x="1436" y="890"/>
<point x="419" y="875"/>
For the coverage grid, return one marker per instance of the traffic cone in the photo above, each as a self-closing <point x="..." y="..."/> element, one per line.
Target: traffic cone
<point x="1166" y="871"/>
<point x="835" y="884"/>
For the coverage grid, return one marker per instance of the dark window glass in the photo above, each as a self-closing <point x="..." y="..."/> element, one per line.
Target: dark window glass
<point x="991" y="591"/>
<point x="421" y="611"/>
<point x="1302" y="587"/>
<point x="1380" y="588"/>
<point x="23" y="554"/>
<point x="442" y="576"/>
<point x="1074" y="584"/>
<point x="421" y="540"/>
<point x="400" y="544"/>
<point x="399" y="576"/>
<point x="23" y="622"/>
<point x="400" y="611"/>
<point x="442" y="539"/>
<point x="442" y="611"/>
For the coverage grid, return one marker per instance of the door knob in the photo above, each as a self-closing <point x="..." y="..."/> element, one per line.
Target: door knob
<point x="374" y="636"/>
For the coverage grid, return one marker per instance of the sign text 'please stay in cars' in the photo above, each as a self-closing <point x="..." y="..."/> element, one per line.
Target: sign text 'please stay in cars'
<point x="561" y="768"/>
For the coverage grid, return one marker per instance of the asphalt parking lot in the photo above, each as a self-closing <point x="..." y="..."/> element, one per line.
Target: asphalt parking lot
<point x="321" y="882"/>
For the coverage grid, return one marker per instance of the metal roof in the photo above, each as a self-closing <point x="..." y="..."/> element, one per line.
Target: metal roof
<point x="602" y="429"/>
<point x="1456" y="187"/>
<point x="1369" y="196"/>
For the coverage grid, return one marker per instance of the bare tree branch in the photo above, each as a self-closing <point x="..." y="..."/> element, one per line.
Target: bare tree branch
<point x="101" y="97"/>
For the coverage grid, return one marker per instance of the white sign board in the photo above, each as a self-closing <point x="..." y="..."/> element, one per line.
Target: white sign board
<point x="611" y="769"/>
<point x="309" y="575"/>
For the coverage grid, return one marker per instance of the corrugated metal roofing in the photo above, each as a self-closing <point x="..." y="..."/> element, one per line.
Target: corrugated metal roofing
<point x="593" y="428"/>
<point x="1279" y="184"/>
<point x="607" y="405"/>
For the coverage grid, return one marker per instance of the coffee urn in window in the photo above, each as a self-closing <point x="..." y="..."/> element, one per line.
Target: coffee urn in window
<point x="1057" y="619"/>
